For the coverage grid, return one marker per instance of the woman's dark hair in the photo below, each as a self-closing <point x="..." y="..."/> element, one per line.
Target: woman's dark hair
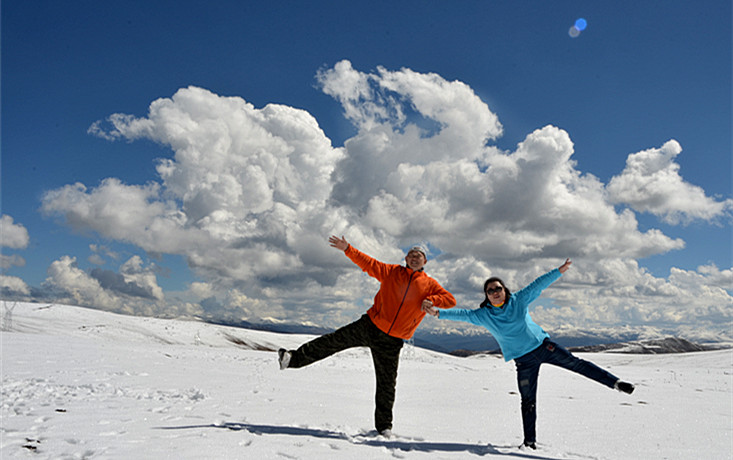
<point x="507" y="292"/>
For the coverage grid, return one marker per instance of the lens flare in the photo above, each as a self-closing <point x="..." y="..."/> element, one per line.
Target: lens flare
<point x="578" y="27"/>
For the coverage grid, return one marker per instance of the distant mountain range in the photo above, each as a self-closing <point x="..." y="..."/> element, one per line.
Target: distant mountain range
<point x="644" y="347"/>
<point x="652" y="347"/>
<point x="466" y="344"/>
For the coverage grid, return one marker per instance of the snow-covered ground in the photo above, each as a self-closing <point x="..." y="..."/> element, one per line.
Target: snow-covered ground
<point x="81" y="383"/>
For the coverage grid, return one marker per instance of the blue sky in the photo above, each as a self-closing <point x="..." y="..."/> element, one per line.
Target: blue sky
<point x="627" y="157"/>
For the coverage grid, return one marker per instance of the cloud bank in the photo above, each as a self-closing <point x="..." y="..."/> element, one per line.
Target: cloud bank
<point x="250" y="195"/>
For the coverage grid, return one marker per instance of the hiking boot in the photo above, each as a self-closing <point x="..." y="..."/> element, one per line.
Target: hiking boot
<point x="624" y="387"/>
<point x="283" y="357"/>
<point x="528" y="445"/>
<point x="386" y="433"/>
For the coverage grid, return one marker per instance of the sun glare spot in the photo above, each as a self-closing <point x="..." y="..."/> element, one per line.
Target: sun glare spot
<point x="578" y="27"/>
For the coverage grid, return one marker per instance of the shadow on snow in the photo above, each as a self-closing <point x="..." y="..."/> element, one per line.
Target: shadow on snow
<point x="369" y="439"/>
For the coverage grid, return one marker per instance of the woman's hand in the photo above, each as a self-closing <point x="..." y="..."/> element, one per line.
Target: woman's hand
<point x="427" y="307"/>
<point x="564" y="267"/>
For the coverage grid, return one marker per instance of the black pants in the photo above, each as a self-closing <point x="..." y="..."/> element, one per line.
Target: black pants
<point x="385" y="351"/>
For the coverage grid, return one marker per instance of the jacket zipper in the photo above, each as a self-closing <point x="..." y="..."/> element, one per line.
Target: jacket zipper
<point x="404" y="296"/>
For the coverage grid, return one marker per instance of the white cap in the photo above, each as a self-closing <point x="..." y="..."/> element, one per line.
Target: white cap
<point x="419" y="248"/>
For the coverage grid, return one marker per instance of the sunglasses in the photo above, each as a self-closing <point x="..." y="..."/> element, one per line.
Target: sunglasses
<point x="494" y="290"/>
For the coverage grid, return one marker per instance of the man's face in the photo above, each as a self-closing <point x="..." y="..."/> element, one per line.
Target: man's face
<point x="415" y="260"/>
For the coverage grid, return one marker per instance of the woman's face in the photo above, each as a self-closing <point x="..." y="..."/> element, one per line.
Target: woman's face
<point x="495" y="293"/>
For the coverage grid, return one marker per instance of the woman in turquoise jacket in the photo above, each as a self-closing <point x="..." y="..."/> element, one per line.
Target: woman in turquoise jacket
<point x="506" y="316"/>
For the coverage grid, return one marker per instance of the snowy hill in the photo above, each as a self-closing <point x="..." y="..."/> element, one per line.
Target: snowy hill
<point x="81" y="383"/>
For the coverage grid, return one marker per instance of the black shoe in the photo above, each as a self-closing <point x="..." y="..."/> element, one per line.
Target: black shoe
<point x="624" y="387"/>
<point x="528" y="445"/>
<point x="283" y="358"/>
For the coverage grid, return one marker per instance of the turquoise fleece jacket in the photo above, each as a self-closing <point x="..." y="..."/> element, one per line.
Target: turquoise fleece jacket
<point x="511" y="324"/>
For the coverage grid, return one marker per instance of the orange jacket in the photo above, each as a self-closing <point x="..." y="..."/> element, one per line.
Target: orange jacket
<point x="397" y="306"/>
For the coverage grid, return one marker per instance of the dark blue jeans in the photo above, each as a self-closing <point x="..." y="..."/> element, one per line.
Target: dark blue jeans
<point x="528" y="369"/>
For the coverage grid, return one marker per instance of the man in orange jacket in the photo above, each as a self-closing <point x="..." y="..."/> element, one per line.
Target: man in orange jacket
<point x="404" y="293"/>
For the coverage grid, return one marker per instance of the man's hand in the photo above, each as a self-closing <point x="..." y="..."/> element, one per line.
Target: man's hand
<point x="338" y="243"/>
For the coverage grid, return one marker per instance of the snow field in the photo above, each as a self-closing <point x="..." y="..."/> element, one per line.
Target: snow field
<point x="80" y="383"/>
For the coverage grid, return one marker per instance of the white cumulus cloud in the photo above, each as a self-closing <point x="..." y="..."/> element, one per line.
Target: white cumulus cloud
<point x="250" y="195"/>
<point x="14" y="235"/>
<point x="244" y="195"/>
<point x="651" y="183"/>
<point x="13" y="286"/>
